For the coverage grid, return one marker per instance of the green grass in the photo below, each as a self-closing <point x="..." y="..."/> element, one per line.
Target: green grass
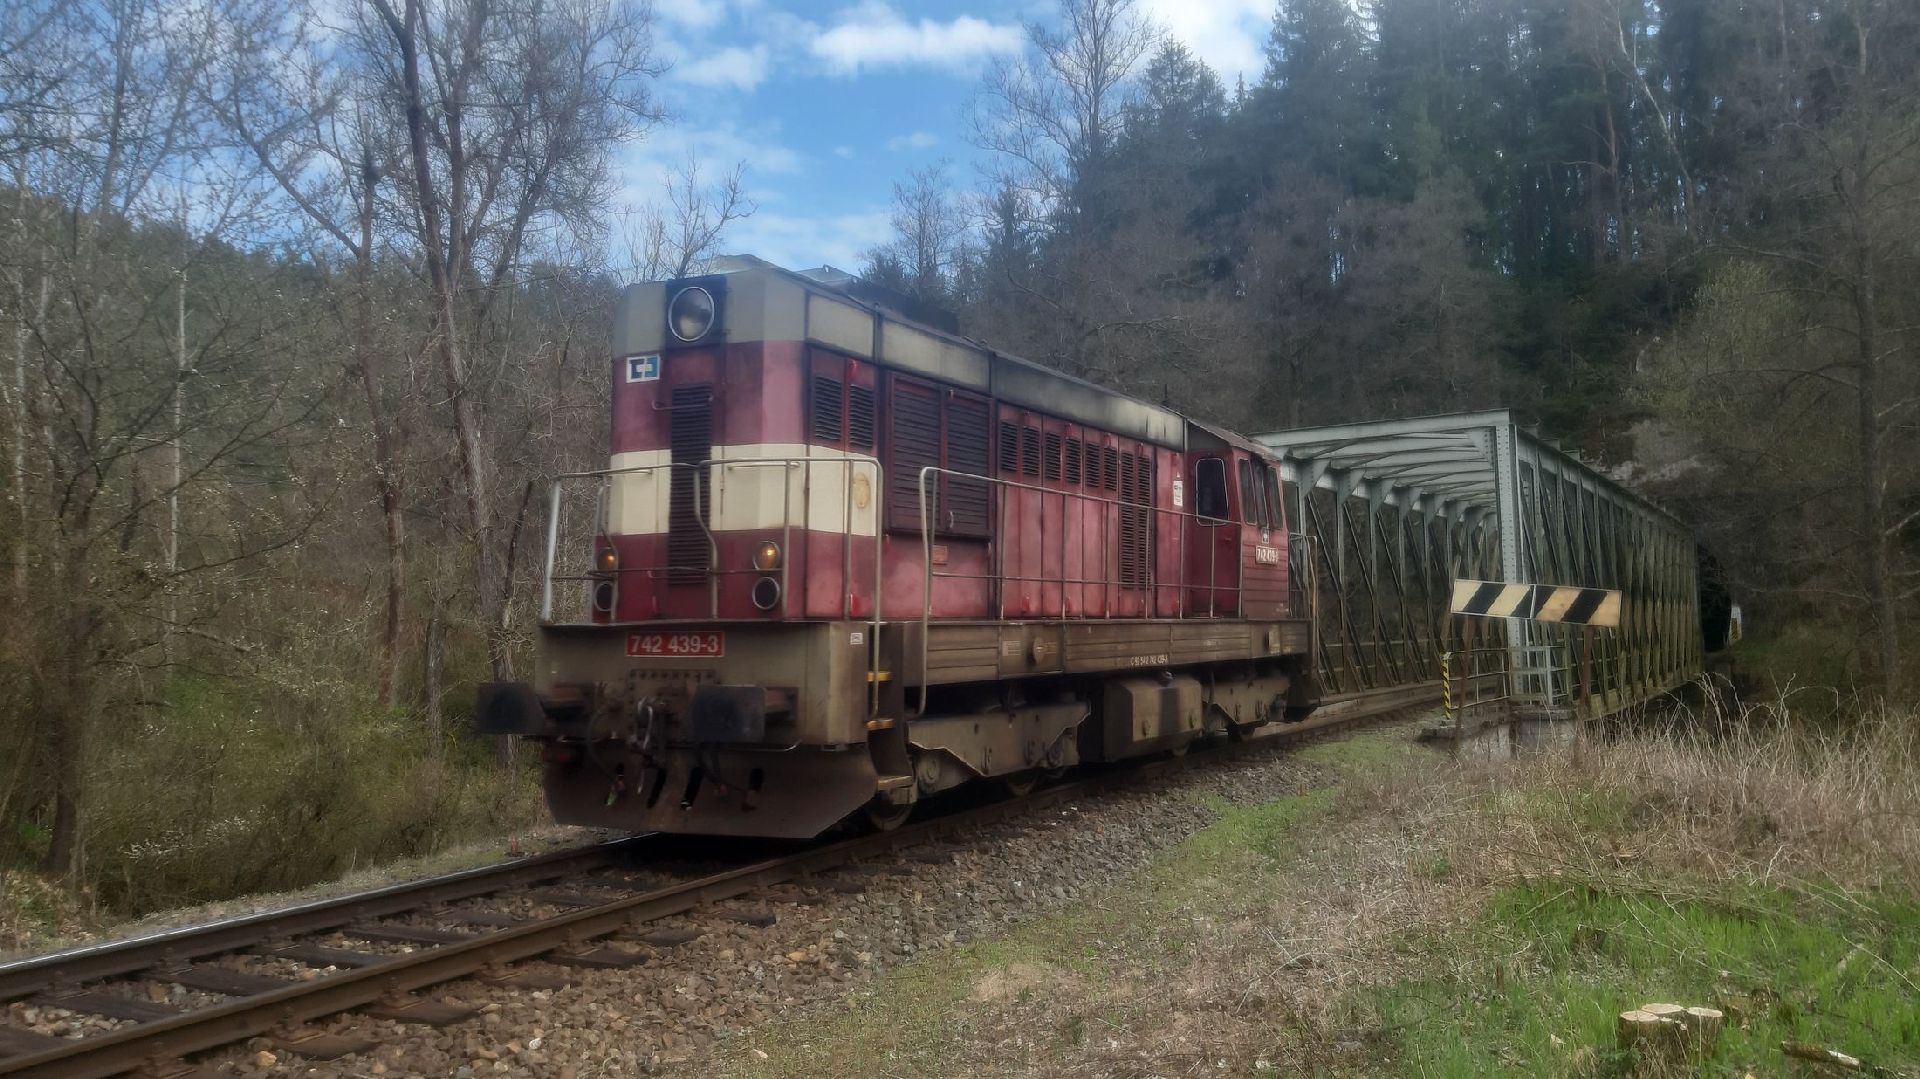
<point x="1536" y="984"/>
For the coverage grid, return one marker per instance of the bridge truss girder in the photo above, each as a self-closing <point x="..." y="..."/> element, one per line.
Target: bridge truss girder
<point x="1392" y="511"/>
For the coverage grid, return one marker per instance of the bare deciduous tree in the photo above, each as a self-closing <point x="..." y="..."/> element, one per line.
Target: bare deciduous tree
<point x="304" y="114"/>
<point x="676" y="236"/>
<point x="1056" y="113"/>
<point x="510" y="115"/>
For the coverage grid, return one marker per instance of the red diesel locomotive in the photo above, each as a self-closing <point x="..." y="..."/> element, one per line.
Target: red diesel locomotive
<point x="842" y="561"/>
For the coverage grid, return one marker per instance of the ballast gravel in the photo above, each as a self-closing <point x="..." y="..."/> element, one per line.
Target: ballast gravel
<point x="833" y="933"/>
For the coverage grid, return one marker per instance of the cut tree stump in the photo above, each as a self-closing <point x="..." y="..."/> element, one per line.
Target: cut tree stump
<point x="1638" y="1028"/>
<point x="1669" y="1027"/>
<point x="1706" y="1024"/>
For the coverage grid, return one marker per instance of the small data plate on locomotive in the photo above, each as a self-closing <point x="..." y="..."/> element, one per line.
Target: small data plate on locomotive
<point x="692" y="644"/>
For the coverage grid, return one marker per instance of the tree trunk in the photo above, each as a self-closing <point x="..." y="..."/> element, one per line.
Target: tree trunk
<point x="1873" y="514"/>
<point x="19" y="433"/>
<point x="443" y="263"/>
<point x="177" y="464"/>
<point x="70" y="699"/>
<point x="386" y="444"/>
<point x="432" y="665"/>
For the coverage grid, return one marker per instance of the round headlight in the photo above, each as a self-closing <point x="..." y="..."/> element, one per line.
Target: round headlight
<point x="766" y="556"/>
<point x="690" y="315"/>
<point x="766" y="593"/>
<point x="603" y="597"/>
<point x="607" y="561"/>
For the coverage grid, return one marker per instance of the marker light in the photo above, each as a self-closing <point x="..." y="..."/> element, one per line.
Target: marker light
<point x="766" y="556"/>
<point x="607" y="561"/>
<point x="690" y="315"/>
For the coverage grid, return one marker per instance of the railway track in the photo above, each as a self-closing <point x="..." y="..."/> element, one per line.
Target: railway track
<point x="378" y="955"/>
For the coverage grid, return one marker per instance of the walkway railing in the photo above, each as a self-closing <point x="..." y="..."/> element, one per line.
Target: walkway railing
<point x="710" y="480"/>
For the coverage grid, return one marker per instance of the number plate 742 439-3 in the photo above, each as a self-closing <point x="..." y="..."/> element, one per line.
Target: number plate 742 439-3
<point x="698" y="644"/>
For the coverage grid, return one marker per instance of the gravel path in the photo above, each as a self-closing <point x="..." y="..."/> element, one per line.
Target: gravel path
<point x="832" y="934"/>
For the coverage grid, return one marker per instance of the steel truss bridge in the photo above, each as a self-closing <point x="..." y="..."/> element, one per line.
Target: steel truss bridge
<point x="1394" y="510"/>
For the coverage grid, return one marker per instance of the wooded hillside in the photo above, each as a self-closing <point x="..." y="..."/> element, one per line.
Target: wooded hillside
<point x="301" y="309"/>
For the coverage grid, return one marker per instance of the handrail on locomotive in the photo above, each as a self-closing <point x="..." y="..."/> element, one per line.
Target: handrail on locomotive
<point x="1301" y="593"/>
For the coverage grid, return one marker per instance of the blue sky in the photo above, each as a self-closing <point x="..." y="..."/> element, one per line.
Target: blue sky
<point x="827" y="104"/>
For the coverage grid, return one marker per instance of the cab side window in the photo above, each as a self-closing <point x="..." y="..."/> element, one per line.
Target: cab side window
<point x="1253" y="495"/>
<point x="1210" y="488"/>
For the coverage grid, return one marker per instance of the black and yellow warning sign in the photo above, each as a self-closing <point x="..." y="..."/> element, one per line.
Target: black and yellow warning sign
<point x="1565" y="604"/>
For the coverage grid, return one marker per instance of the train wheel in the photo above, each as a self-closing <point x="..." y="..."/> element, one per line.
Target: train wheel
<point x="881" y="815"/>
<point x="1019" y="784"/>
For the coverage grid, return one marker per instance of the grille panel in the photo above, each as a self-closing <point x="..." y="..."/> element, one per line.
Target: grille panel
<point x="967" y="501"/>
<point x="860" y="417"/>
<point x="690" y="441"/>
<point x="913" y="438"/>
<point x="826" y="409"/>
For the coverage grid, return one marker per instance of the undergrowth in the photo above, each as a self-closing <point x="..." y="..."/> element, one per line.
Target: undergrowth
<point x="223" y="788"/>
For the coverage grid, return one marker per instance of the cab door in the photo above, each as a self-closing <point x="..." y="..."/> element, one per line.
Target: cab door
<point x="1214" y="540"/>
<point x="1263" y="539"/>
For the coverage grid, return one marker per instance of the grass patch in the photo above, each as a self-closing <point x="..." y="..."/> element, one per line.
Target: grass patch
<point x="1536" y="983"/>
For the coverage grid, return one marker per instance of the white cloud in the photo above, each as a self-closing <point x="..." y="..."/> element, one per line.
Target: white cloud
<point x="843" y="151"/>
<point x="741" y="69"/>
<point x="875" y="35"/>
<point x="693" y="14"/>
<point x="1230" y="35"/>
<point x="802" y="242"/>
<point x="919" y="140"/>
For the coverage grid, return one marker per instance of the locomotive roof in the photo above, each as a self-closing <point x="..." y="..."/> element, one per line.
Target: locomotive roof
<point x="767" y="302"/>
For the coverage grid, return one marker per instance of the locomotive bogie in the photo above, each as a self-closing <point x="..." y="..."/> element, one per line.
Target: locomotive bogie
<point x="950" y="750"/>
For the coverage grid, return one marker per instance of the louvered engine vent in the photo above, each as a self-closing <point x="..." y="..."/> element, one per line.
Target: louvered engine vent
<point x="690" y="439"/>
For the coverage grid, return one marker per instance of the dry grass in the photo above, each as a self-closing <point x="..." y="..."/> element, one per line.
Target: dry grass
<point x="1765" y="804"/>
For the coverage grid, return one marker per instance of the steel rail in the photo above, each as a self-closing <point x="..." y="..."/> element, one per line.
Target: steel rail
<point x="156" y="1042"/>
<point x="130" y="955"/>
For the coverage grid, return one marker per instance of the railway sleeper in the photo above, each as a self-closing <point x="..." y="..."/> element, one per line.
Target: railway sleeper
<point x="315" y="955"/>
<point x="111" y="1005"/>
<point x="597" y="959"/>
<point x="15" y="1042"/>
<point x="522" y="978"/>
<point x="319" y="1044"/>
<point x="233" y="983"/>
<point x="402" y="1008"/>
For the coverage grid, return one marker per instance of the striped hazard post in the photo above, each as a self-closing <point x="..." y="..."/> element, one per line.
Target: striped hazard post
<point x="1566" y="604"/>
